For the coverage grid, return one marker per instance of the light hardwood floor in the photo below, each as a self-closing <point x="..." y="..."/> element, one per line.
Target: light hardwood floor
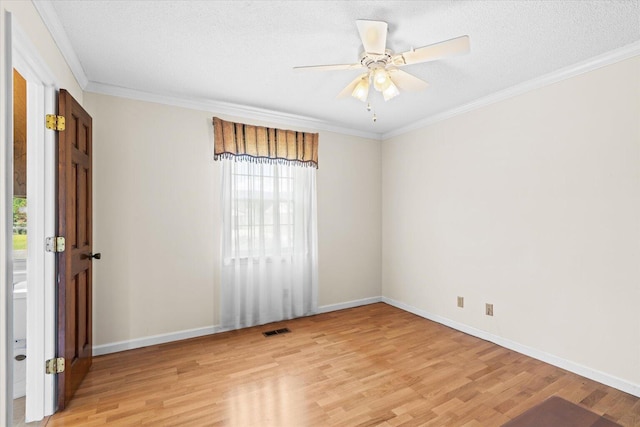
<point x="366" y="366"/>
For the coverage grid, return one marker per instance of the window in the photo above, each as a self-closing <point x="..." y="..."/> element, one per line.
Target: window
<point x="19" y="227"/>
<point x="262" y="210"/>
<point x="269" y="237"/>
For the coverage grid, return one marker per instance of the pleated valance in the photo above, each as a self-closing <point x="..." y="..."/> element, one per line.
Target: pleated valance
<point x="263" y="145"/>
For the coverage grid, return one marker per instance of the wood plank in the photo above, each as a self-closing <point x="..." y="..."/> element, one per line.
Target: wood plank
<point x="371" y="365"/>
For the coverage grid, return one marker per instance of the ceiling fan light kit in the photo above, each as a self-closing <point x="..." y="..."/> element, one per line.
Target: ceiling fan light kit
<point x="382" y="64"/>
<point x="381" y="79"/>
<point x="361" y="90"/>
<point x="390" y="92"/>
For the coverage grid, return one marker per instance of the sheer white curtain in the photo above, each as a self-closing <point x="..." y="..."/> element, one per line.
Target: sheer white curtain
<point x="269" y="242"/>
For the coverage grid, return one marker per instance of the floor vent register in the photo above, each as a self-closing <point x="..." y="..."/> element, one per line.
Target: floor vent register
<point x="276" y="332"/>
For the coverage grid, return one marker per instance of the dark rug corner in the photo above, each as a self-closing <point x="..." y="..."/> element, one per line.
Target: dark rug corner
<point x="555" y="411"/>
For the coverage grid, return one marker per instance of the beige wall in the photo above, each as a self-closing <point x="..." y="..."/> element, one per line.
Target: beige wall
<point x="349" y="218"/>
<point x="532" y="204"/>
<point x="156" y="219"/>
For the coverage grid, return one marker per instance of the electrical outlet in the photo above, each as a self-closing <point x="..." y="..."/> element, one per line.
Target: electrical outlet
<point x="489" y="309"/>
<point x="461" y="302"/>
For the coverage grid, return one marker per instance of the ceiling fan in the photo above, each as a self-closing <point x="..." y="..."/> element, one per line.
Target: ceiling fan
<point x="382" y="64"/>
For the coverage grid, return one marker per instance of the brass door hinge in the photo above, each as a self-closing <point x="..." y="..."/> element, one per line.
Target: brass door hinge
<point x="54" y="244"/>
<point x="54" y="366"/>
<point x="55" y="122"/>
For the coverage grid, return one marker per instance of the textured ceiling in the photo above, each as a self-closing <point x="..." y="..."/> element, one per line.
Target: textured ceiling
<point x="243" y="52"/>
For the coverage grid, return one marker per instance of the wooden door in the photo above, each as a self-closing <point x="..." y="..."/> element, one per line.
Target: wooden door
<point x="74" y="296"/>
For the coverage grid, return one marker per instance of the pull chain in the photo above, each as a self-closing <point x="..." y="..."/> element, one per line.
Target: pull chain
<point x="369" y="108"/>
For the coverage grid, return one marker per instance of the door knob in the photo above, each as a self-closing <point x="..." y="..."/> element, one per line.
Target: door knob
<point x="96" y="256"/>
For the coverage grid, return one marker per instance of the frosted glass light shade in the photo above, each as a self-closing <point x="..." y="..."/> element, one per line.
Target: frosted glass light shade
<point x="361" y="91"/>
<point x="391" y="91"/>
<point x="381" y="79"/>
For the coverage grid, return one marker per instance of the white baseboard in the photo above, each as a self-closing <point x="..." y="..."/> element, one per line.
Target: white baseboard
<point x="99" y="350"/>
<point x="348" y="304"/>
<point x="576" y="368"/>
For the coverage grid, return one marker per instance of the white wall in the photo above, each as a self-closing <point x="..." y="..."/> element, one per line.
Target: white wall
<point x="156" y="219"/>
<point x="532" y="204"/>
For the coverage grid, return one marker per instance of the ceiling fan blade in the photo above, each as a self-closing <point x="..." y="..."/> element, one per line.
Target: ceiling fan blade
<point x="433" y="52"/>
<point x="329" y="67"/>
<point x="406" y="81"/>
<point x="373" y="35"/>
<point x="351" y="86"/>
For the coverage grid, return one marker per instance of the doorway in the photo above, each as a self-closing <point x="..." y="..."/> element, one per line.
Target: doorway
<point x="18" y="350"/>
<point x="34" y="220"/>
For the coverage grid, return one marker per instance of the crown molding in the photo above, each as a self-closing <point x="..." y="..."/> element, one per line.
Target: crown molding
<point x="599" y="61"/>
<point x="50" y="19"/>
<point x="235" y="110"/>
<point x="53" y="24"/>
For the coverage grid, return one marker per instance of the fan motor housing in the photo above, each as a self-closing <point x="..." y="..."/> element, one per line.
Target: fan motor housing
<point x="373" y="61"/>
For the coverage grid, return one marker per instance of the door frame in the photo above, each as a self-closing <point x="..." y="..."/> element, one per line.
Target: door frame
<point x="41" y="155"/>
<point x="6" y="154"/>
